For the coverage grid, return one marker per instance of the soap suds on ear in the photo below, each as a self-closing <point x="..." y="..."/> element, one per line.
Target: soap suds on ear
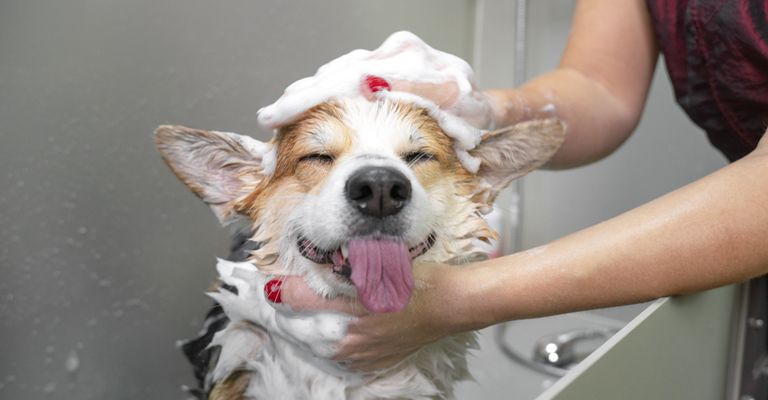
<point x="266" y="152"/>
<point x="269" y="161"/>
<point x="403" y="56"/>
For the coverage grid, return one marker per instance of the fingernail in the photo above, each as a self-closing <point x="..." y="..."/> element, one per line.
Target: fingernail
<point x="376" y="83"/>
<point x="273" y="291"/>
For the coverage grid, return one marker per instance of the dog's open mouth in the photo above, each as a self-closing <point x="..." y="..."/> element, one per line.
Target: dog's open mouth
<point x="379" y="267"/>
<point x="336" y="257"/>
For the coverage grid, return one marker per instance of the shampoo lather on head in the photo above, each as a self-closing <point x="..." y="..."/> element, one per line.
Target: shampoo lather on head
<point x="403" y="56"/>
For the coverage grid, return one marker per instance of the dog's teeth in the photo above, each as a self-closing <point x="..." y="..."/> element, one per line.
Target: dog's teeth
<point x="345" y="251"/>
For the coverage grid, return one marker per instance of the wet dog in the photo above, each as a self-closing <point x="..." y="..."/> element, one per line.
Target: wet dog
<point x="349" y="196"/>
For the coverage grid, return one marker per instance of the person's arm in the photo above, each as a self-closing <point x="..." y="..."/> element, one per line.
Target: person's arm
<point x="707" y="234"/>
<point x="599" y="88"/>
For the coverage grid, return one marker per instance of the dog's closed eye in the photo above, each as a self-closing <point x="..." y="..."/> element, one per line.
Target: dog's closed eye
<point x="416" y="157"/>
<point x="317" y="158"/>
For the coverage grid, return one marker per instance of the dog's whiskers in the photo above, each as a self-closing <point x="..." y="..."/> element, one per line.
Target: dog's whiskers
<point x="416" y="160"/>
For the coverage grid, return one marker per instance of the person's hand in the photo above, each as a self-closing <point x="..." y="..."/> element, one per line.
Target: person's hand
<point x="476" y="107"/>
<point x="377" y="341"/>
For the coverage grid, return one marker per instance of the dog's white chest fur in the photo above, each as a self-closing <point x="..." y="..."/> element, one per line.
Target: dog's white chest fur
<point x="287" y="355"/>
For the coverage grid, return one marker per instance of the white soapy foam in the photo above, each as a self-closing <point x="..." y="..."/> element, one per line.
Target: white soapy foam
<point x="403" y="56"/>
<point x="549" y="108"/>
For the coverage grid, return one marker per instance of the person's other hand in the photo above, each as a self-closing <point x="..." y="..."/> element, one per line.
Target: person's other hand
<point x="377" y="341"/>
<point x="476" y="107"/>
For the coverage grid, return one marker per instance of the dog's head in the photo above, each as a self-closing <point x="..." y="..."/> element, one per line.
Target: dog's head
<point x="354" y="190"/>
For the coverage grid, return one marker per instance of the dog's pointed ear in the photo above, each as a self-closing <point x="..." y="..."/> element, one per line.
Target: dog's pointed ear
<point x="218" y="167"/>
<point x="509" y="153"/>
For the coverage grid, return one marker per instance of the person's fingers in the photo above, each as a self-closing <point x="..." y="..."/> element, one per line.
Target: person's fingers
<point x="298" y="296"/>
<point x="377" y="365"/>
<point x="444" y="94"/>
<point x="352" y="346"/>
<point x="372" y="84"/>
<point x="359" y="350"/>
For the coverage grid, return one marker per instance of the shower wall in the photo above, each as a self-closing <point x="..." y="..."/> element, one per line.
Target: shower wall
<point x="104" y="255"/>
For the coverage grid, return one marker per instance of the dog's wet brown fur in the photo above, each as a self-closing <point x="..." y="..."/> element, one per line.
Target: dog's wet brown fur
<point x="231" y="388"/>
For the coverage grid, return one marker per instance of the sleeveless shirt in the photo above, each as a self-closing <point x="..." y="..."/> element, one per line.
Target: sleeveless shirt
<point x="716" y="54"/>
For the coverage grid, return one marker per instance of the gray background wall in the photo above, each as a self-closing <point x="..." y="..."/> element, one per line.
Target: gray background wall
<point x="104" y="256"/>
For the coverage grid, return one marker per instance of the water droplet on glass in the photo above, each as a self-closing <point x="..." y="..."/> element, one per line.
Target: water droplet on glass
<point x="49" y="388"/>
<point x="72" y="363"/>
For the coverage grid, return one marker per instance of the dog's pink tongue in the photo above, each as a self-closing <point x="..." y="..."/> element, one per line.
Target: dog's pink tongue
<point x="381" y="272"/>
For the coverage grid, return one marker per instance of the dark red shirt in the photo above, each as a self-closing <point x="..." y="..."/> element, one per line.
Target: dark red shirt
<point x="716" y="52"/>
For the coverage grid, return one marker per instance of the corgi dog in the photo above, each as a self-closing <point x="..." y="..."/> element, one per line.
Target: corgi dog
<point x="349" y="197"/>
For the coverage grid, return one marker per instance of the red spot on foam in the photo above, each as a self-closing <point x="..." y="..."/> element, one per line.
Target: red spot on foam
<point x="273" y="291"/>
<point x="376" y="83"/>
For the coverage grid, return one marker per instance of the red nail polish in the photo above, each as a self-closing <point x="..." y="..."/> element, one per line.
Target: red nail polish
<point x="376" y="83"/>
<point x="273" y="290"/>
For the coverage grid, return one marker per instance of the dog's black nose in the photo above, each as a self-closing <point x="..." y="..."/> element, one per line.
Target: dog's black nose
<point x="378" y="191"/>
